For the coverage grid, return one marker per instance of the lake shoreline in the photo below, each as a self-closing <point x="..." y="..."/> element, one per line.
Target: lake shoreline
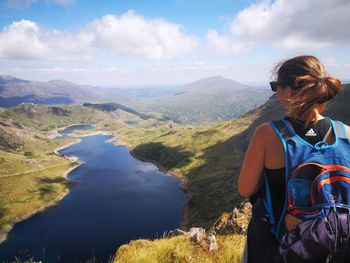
<point x="114" y="140"/>
<point x="162" y="169"/>
<point x="76" y="163"/>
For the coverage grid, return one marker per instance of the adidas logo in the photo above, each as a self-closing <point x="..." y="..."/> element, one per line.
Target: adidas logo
<point x="310" y="132"/>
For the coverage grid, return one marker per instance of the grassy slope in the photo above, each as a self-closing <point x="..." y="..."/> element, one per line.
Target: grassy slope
<point x="30" y="178"/>
<point x="45" y="118"/>
<point x="179" y="249"/>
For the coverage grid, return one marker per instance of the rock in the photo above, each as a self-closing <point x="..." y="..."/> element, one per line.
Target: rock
<point x="213" y="245"/>
<point x="175" y="233"/>
<point x="235" y="222"/>
<point x="15" y="123"/>
<point x="196" y="234"/>
<point x="9" y="140"/>
<point x="60" y="111"/>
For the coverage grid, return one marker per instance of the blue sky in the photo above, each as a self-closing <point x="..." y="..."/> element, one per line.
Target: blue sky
<point x="113" y="43"/>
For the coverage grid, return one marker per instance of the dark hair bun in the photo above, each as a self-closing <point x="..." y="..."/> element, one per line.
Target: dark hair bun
<point x="333" y="86"/>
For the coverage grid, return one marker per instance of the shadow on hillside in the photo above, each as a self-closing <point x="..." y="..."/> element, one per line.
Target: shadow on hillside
<point x="2" y="212"/>
<point x="48" y="180"/>
<point x="213" y="185"/>
<point x="46" y="190"/>
<point x="168" y="157"/>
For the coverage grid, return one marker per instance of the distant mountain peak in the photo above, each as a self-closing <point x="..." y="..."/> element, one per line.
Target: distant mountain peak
<point x="217" y="77"/>
<point x="218" y="82"/>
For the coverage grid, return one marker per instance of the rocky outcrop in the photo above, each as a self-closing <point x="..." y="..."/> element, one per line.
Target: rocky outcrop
<point x="60" y="111"/>
<point x="197" y="235"/>
<point x="9" y="141"/>
<point x="235" y="222"/>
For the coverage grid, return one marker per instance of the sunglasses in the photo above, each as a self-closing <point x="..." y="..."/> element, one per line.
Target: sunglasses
<point x="275" y="84"/>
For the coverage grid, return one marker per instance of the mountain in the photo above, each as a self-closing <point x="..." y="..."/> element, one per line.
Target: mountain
<point x="14" y="91"/>
<point x="203" y="101"/>
<point x="216" y="83"/>
<point x="209" y="100"/>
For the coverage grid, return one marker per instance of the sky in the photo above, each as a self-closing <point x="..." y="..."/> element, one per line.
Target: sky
<point x="156" y="42"/>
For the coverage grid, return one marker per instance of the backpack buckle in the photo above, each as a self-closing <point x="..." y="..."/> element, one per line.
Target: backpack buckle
<point x="321" y="145"/>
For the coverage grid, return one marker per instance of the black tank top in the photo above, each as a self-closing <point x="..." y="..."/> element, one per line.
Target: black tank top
<point x="313" y="133"/>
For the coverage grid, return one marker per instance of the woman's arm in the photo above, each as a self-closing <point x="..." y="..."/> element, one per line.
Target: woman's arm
<point x="253" y="163"/>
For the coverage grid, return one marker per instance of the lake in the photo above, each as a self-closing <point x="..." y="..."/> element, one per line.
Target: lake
<point x="118" y="199"/>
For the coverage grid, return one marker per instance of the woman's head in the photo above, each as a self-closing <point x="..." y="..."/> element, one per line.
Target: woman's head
<point x="310" y="86"/>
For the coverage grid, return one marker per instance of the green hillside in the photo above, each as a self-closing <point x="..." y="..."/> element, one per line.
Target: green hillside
<point x="46" y="118"/>
<point x="31" y="176"/>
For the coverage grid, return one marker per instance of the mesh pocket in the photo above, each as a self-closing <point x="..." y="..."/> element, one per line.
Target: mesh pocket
<point x="299" y="192"/>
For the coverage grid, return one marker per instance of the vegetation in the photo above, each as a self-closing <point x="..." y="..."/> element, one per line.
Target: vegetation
<point x="44" y="118"/>
<point x="31" y="178"/>
<point x="179" y="249"/>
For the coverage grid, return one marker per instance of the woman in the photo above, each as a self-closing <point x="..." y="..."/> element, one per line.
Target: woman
<point x="303" y="88"/>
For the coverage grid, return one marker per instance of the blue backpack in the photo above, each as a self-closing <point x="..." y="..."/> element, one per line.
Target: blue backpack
<point x="317" y="176"/>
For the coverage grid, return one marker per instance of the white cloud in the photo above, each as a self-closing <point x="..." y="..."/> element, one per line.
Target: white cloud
<point x="127" y="35"/>
<point x="24" y="39"/>
<point x="225" y="44"/>
<point x="288" y="24"/>
<point x="134" y="35"/>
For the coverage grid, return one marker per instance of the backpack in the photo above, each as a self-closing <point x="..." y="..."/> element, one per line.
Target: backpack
<point x="317" y="176"/>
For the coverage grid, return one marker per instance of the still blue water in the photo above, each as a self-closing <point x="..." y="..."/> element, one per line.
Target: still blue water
<point x="118" y="198"/>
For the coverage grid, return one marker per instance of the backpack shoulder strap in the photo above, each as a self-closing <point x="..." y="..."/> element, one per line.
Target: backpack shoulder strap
<point x="282" y="129"/>
<point x="284" y="133"/>
<point x="340" y="129"/>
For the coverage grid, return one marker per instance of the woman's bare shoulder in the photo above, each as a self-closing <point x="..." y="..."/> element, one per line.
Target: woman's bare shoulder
<point x="264" y="129"/>
<point x="267" y="135"/>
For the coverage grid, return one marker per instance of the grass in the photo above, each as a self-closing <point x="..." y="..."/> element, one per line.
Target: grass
<point x="21" y="195"/>
<point x="179" y="249"/>
<point x="31" y="177"/>
<point x="43" y="118"/>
